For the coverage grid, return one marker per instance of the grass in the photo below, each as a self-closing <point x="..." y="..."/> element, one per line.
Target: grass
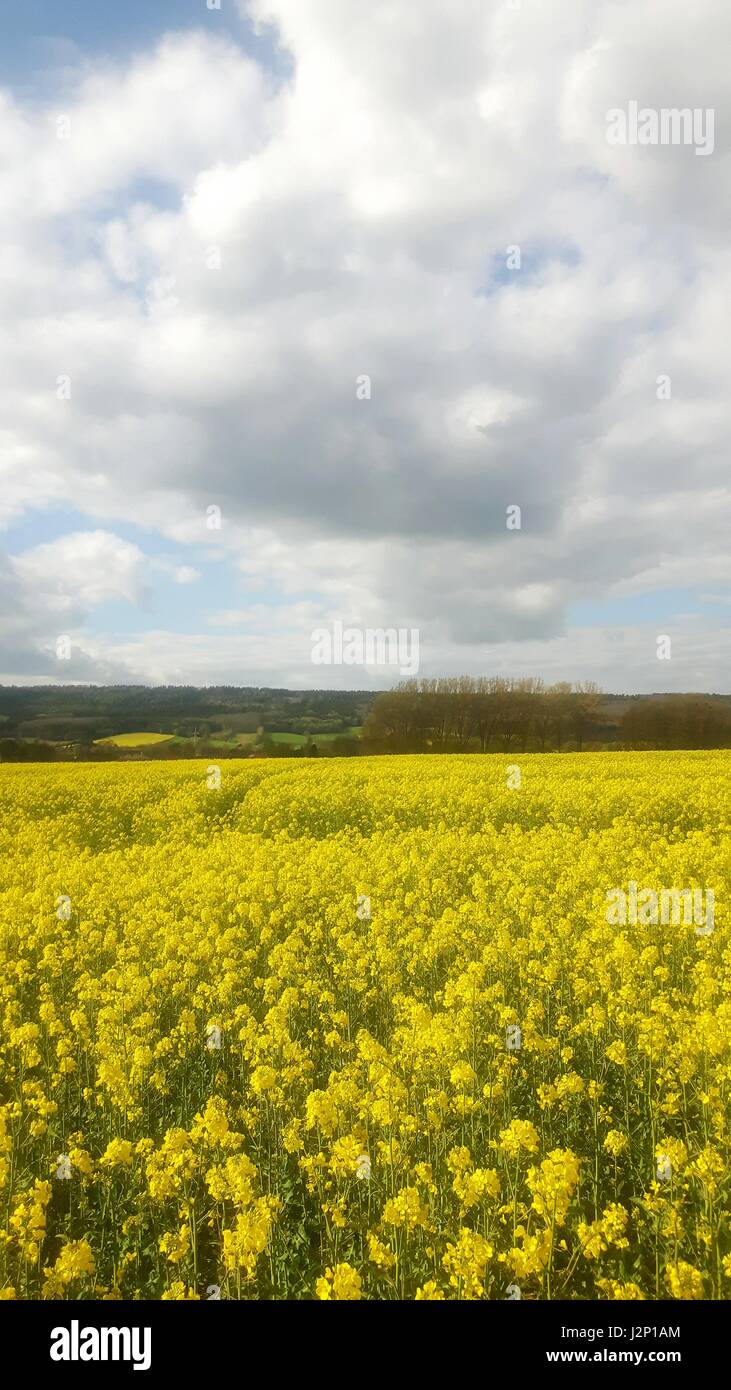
<point x="299" y="739"/>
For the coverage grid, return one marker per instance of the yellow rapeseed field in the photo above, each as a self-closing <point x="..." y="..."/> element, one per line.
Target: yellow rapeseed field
<point x="134" y="740"/>
<point x="362" y="1028"/>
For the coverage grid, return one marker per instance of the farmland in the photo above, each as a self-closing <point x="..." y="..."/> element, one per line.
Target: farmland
<point x="361" y="1029"/>
<point x="139" y="740"/>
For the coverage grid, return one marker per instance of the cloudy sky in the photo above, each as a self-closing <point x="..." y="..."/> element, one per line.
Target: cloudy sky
<point x="216" y="223"/>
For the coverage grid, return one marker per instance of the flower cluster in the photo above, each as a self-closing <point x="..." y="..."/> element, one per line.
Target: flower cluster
<point x="219" y="1073"/>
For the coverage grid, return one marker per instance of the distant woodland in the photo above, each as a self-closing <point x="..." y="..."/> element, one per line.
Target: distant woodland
<point x="460" y="714"/>
<point x="490" y="713"/>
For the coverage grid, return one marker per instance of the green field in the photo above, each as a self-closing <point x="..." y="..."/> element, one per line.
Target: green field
<point x="229" y="739"/>
<point x="134" y="740"/>
<point x="299" y="739"/>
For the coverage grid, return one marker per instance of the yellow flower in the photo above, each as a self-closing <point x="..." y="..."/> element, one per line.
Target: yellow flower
<point x="389" y="1081"/>
<point x="344" y="1156"/>
<point x="321" y="1112"/>
<point x="615" y="1289"/>
<point x="75" y="1261"/>
<point x="429" y="1292"/>
<point x="684" y="1281"/>
<point x="552" y="1185"/>
<point x="263" y="1079"/>
<point x="118" y="1151"/>
<point x="466" y="1261"/>
<point x="82" y="1160"/>
<point x="342" y="1283"/>
<point x="249" y="1237"/>
<point x="174" y="1245"/>
<point x="474" y="1187"/>
<point x="671" y="1156"/>
<point x="424" y="1174"/>
<point x="520" y="1134"/>
<point x="406" y="1209"/>
<point x="462" y="1075"/>
<point x="615" y="1142"/>
<point x="235" y="1179"/>
<point x="380" y="1254"/>
<point x="532" y="1255"/>
<point x="459" y="1160"/>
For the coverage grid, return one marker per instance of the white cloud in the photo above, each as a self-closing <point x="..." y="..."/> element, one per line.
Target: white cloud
<point x="85" y="568"/>
<point x="360" y="217"/>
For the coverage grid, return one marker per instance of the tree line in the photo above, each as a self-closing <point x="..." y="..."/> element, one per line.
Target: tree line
<point x="496" y="713"/>
<point x="460" y="714"/>
<point x="683" y="721"/>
